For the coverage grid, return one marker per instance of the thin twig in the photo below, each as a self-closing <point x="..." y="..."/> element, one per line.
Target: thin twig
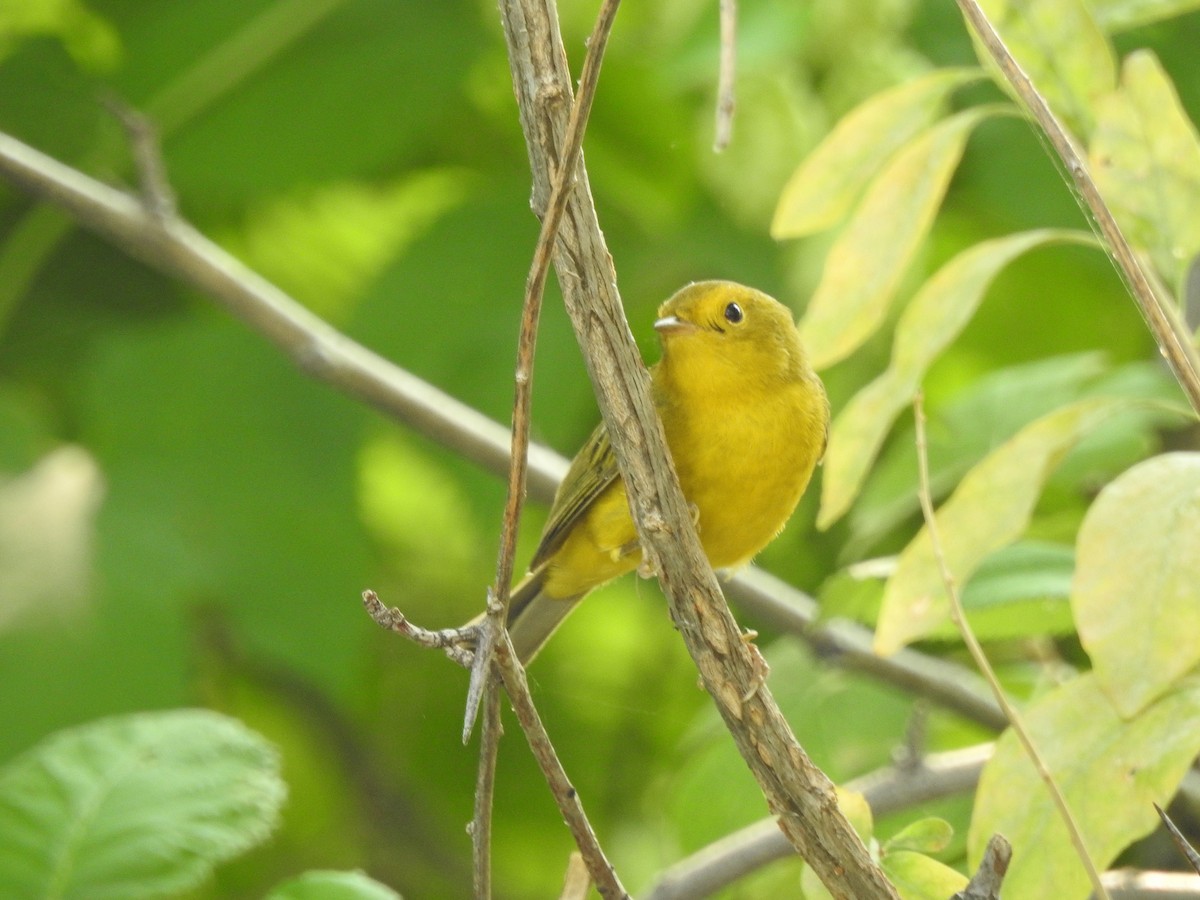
<point x="1174" y="343"/>
<point x="1185" y="847"/>
<point x="143" y="137"/>
<point x="485" y="792"/>
<point x="726" y="76"/>
<point x="332" y="358"/>
<point x="497" y="607"/>
<point x="535" y="286"/>
<point x="453" y="641"/>
<point x="976" y="650"/>
<point x="512" y="675"/>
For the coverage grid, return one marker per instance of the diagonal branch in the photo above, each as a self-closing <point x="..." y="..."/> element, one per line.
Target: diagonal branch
<point x="729" y="666"/>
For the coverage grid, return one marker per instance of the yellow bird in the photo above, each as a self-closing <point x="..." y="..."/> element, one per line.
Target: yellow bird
<point x="746" y="419"/>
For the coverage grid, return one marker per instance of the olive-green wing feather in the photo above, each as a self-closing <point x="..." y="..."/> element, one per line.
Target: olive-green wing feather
<point x="592" y="471"/>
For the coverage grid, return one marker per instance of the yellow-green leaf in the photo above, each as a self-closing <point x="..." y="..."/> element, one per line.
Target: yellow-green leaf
<point x="873" y="251"/>
<point x="1136" y="593"/>
<point x="1111" y="770"/>
<point x="940" y="310"/>
<point x="917" y="877"/>
<point x="1062" y="50"/>
<point x="823" y="189"/>
<point x="1146" y="160"/>
<point x="990" y="509"/>
<point x="927" y="835"/>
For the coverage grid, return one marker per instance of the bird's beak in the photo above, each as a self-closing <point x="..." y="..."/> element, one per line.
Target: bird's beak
<point x="674" y="325"/>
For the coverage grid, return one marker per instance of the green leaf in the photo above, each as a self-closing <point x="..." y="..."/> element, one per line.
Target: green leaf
<point x="999" y="405"/>
<point x="922" y="836"/>
<point x="1121" y="15"/>
<point x="1110" y="769"/>
<point x="937" y="314"/>
<point x="823" y="189"/>
<point x="1146" y="160"/>
<point x="990" y="508"/>
<point x="137" y="806"/>
<point x="1135" y="593"/>
<point x="917" y="877"/>
<point x="1063" y="51"/>
<point x="873" y="251"/>
<point x="1019" y="591"/>
<point x="333" y="886"/>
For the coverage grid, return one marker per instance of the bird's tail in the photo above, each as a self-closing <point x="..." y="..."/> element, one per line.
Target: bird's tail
<point x="533" y="615"/>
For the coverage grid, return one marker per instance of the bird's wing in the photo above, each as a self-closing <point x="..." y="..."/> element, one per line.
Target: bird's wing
<point x="592" y="471"/>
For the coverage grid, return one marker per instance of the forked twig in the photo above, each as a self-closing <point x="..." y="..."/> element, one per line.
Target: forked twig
<point x="512" y="675"/>
<point x="483" y="684"/>
<point x="531" y="310"/>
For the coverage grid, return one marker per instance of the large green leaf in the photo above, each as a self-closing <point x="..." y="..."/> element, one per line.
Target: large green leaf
<point x="1136" y="594"/>
<point x="138" y="806"/>
<point x="1110" y="769"/>
<point x="873" y="251"/>
<point x="940" y="310"/>
<point x="823" y="189"/>
<point x="1146" y="160"/>
<point x="990" y="508"/>
<point x="1063" y="51"/>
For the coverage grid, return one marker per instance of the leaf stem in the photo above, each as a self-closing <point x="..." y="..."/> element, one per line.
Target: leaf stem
<point x="976" y="650"/>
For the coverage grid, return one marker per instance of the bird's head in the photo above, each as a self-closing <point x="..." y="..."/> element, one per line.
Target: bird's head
<point x="720" y="330"/>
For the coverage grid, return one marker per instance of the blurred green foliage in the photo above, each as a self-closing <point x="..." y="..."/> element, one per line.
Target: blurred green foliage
<point x="365" y="155"/>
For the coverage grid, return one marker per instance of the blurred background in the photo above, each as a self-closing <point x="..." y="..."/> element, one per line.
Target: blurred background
<point x="186" y="519"/>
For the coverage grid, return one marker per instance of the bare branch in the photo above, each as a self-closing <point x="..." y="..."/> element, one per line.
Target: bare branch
<point x="729" y="667"/>
<point x="174" y="247"/>
<point x="485" y="792"/>
<point x="513" y="675"/>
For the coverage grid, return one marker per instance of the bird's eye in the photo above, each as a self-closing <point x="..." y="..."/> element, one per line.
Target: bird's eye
<point x="734" y="314"/>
